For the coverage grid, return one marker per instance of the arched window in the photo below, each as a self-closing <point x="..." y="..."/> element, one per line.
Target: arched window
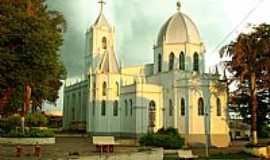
<point x="152" y="116"/>
<point x="103" y="108"/>
<point x="73" y="107"/>
<point x="171" y="61"/>
<point x="104" y="88"/>
<point x="196" y="62"/>
<point x="183" y="111"/>
<point x="126" y="107"/>
<point x="200" y="107"/>
<point x="218" y="107"/>
<point x="170" y="107"/>
<point x="73" y="113"/>
<point x="117" y="88"/>
<point x="115" y="108"/>
<point x="131" y="107"/>
<point x="182" y="61"/>
<point x="93" y="107"/>
<point x="104" y="43"/>
<point x="94" y="89"/>
<point x="159" y="63"/>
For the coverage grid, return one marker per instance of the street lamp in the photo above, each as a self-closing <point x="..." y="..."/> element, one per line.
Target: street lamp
<point x="207" y="135"/>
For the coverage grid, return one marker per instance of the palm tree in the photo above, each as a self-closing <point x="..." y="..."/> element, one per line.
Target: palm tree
<point x="250" y="64"/>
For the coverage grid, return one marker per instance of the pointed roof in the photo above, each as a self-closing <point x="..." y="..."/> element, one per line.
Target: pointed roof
<point x="108" y="63"/>
<point x="102" y="21"/>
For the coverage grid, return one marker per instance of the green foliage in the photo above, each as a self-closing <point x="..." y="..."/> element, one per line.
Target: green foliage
<point x="168" y="139"/>
<point x="264" y="132"/>
<point x="17" y="100"/>
<point x="30" y="41"/>
<point x="10" y="123"/>
<point x="250" y="67"/>
<point x="31" y="133"/>
<point x="36" y="120"/>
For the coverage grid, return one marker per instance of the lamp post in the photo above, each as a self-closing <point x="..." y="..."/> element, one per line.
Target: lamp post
<point x="207" y="135"/>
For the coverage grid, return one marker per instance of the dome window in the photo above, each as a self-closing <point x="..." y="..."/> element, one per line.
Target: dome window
<point x="196" y="62"/>
<point x="159" y="63"/>
<point x="171" y="63"/>
<point x="182" y="61"/>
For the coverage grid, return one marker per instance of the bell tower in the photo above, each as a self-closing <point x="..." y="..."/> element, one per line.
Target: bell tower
<point x="100" y="41"/>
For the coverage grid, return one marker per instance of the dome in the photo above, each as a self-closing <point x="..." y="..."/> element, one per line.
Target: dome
<point x="179" y="28"/>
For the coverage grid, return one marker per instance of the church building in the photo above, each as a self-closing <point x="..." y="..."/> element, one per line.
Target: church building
<point x="173" y="91"/>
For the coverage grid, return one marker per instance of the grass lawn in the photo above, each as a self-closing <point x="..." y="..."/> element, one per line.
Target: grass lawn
<point x="235" y="156"/>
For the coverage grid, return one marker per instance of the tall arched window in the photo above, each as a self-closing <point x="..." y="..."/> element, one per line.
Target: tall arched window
<point x="171" y="61"/>
<point x="218" y="107"/>
<point x="182" y="61"/>
<point x="94" y="89"/>
<point x="104" y="88"/>
<point x="94" y="107"/>
<point x="183" y="111"/>
<point x="115" y="108"/>
<point x="196" y="62"/>
<point x="126" y="107"/>
<point x="103" y="108"/>
<point x="152" y="116"/>
<point x="170" y="107"/>
<point x="73" y="113"/>
<point x="104" y="43"/>
<point x="200" y="107"/>
<point x="159" y="62"/>
<point x="131" y="106"/>
<point x="73" y="105"/>
<point x="117" y="89"/>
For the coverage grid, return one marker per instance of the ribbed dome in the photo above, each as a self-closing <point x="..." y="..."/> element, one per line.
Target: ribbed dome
<point x="179" y="28"/>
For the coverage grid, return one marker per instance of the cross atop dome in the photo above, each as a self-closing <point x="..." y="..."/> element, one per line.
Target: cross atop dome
<point x="178" y="4"/>
<point x="102" y="3"/>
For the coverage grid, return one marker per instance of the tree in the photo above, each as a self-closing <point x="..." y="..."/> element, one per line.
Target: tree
<point x="250" y="65"/>
<point x="239" y="103"/>
<point x="30" y="64"/>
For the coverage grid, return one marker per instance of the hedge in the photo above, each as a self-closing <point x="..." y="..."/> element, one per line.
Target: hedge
<point x="30" y="133"/>
<point x="167" y="139"/>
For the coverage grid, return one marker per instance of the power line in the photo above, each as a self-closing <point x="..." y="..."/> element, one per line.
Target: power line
<point x="238" y="25"/>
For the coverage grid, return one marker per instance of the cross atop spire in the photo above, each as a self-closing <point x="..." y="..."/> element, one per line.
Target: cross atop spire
<point x="178" y="5"/>
<point x="102" y="3"/>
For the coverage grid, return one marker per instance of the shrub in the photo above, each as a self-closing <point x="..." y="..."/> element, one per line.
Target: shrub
<point x="167" y="139"/>
<point x="31" y="133"/>
<point x="265" y="132"/>
<point x="36" y="120"/>
<point x="10" y="123"/>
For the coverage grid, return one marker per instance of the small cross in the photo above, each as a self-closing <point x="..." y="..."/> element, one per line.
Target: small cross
<point x="178" y="4"/>
<point x="102" y="3"/>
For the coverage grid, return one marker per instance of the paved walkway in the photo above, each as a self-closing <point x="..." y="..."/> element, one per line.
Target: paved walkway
<point x="81" y="145"/>
<point x="61" y="149"/>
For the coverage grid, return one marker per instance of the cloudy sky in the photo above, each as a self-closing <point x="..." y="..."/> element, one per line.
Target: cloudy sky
<point x="138" y="22"/>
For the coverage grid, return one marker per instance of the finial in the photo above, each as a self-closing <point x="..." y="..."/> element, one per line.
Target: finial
<point x="102" y="3"/>
<point x="178" y="4"/>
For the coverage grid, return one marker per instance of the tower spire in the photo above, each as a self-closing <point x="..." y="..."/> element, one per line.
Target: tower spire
<point x="178" y="5"/>
<point x="102" y="3"/>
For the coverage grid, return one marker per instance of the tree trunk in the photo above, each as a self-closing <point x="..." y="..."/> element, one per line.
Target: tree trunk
<point x="22" y="123"/>
<point x="253" y="97"/>
<point x="26" y="103"/>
